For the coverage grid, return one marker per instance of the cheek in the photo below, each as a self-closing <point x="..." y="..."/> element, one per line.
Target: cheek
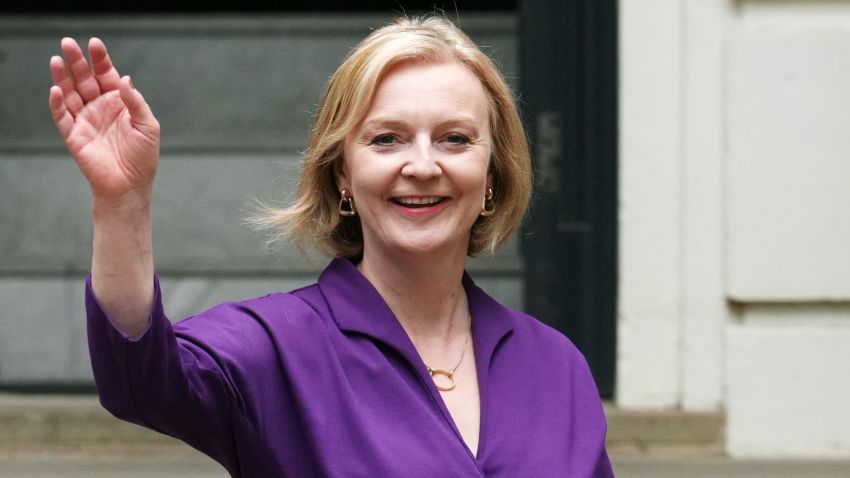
<point x="370" y="184"/>
<point x="356" y="171"/>
<point x="475" y="175"/>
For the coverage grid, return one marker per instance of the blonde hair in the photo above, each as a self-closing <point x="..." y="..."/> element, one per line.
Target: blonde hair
<point x="314" y="217"/>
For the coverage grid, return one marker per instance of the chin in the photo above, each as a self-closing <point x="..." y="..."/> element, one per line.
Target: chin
<point x="426" y="246"/>
<point x="411" y="242"/>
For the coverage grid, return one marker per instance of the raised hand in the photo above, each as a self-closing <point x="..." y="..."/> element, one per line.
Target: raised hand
<point x="114" y="138"/>
<point x="105" y="122"/>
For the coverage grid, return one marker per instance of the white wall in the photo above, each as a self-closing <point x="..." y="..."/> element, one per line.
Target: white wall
<point x="649" y="299"/>
<point x="735" y="218"/>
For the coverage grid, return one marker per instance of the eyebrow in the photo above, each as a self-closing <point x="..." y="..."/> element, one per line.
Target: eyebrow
<point x="395" y="123"/>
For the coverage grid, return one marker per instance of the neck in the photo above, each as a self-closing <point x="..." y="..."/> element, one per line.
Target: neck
<point x="425" y="292"/>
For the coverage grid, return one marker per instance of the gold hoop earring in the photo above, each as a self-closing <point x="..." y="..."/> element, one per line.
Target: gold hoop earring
<point x="346" y="204"/>
<point x="488" y="199"/>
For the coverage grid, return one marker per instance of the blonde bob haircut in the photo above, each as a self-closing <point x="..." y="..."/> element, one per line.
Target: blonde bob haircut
<point x="314" y="217"/>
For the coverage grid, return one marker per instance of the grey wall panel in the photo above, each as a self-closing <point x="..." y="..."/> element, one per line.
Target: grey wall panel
<point x="239" y="84"/>
<point x="45" y="218"/>
<point x="508" y="290"/>
<point x="42" y="331"/>
<point x="199" y="205"/>
<point x="207" y="92"/>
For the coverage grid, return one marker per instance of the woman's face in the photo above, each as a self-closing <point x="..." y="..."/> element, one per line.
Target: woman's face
<point x="416" y="165"/>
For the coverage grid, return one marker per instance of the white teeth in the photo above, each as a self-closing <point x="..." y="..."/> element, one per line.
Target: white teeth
<point x="430" y="200"/>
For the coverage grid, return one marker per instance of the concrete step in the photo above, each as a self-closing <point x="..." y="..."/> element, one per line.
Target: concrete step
<point x="70" y="422"/>
<point x="78" y="422"/>
<point x="664" y="432"/>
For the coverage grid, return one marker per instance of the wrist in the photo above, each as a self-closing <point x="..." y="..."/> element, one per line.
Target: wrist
<point x="133" y="204"/>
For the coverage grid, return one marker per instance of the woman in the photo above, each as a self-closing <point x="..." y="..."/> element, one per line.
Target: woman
<point x="394" y="363"/>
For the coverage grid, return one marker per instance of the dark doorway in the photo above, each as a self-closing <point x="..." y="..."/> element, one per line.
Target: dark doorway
<point x="568" y="65"/>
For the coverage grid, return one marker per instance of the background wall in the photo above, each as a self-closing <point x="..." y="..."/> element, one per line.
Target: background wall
<point x="735" y="218"/>
<point x="234" y="96"/>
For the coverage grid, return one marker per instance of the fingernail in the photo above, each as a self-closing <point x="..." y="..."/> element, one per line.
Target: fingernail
<point x="131" y="82"/>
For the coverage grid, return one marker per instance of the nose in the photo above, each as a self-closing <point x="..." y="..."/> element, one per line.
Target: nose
<point x="421" y="162"/>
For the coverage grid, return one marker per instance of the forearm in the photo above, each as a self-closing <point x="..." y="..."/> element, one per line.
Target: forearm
<point x="122" y="260"/>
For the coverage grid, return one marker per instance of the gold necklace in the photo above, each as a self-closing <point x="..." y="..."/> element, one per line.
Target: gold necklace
<point x="450" y="374"/>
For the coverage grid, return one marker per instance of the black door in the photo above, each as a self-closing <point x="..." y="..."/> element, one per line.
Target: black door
<point x="568" y="60"/>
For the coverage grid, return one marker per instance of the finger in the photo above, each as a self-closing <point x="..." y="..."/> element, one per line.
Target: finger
<point x="104" y="72"/>
<point x="84" y="81"/>
<point x="62" y="79"/>
<point x="141" y="115"/>
<point x="63" y="119"/>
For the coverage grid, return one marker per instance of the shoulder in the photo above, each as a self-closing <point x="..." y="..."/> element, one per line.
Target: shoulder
<point x="541" y="338"/>
<point x="533" y="343"/>
<point x="525" y="331"/>
<point x="543" y="359"/>
<point x="250" y="313"/>
<point x="250" y="329"/>
<point x="530" y="340"/>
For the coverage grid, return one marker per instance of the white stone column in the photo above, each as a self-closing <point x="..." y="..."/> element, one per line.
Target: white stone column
<point x="648" y="355"/>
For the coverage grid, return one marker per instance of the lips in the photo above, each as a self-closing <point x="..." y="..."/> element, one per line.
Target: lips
<point x="416" y="202"/>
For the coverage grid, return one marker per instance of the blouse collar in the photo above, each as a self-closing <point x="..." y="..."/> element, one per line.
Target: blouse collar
<point x="358" y="307"/>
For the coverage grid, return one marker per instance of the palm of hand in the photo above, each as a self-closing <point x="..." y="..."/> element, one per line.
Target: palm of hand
<point x="114" y="156"/>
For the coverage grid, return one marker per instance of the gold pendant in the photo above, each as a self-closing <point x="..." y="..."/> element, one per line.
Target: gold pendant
<point x="447" y="373"/>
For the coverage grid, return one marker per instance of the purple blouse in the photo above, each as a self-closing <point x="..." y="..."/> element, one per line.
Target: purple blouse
<point x="323" y="381"/>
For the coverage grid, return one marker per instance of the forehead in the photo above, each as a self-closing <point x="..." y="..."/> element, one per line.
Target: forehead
<point x="423" y="90"/>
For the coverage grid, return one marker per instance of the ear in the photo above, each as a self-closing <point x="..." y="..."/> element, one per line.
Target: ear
<point x="340" y="173"/>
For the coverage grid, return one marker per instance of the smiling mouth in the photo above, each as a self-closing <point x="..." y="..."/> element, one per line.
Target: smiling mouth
<point x="418" y="202"/>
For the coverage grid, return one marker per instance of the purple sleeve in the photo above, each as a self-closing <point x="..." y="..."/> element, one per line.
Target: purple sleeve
<point x="156" y="380"/>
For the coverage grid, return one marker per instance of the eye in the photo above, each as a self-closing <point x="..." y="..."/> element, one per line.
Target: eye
<point x="457" y="139"/>
<point x="384" y="140"/>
